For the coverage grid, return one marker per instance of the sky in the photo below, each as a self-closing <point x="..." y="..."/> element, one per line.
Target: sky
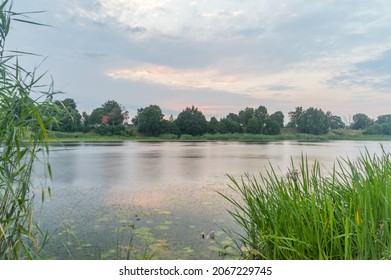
<point x="218" y="55"/>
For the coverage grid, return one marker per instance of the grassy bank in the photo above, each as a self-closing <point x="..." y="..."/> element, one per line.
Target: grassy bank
<point x="287" y="134"/>
<point x="307" y="215"/>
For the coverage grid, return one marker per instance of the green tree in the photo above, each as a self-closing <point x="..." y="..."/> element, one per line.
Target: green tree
<point x="278" y="117"/>
<point x="375" y="129"/>
<point x="213" y="125"/>
<point x="261" y="113"/>
<point x="334" y="122"/>
<point x="254" y="126"/>
<point x="149" y="120"/>
<point x="227" y="125"/>
<point x="312" y="121"/>
<point x="170" y="127"/>
<point x="233" y="117"/>
<point x="361" y="121"/>
<point x="272" y="127"/>
<point x="294" y="117"/>
<point x="193" y="122"/>
<point x="381" y="126"/>
<point x="116" y="114"/>
<point x="67" y="115"/>
<point x="245" y="115"/>
<point x="383" y="119"/>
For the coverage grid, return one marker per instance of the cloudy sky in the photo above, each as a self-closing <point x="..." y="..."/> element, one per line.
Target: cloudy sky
<point x="219" y="55"/>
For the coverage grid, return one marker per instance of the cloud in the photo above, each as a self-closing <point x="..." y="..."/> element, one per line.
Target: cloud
<point x="206" y="78"/>
<point x="280" y="87"/>
<point x="373" y="73"/>
<point x="218" y="77"/>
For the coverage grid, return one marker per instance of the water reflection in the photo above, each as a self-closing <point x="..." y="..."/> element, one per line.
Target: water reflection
<point x="165" y="190"/>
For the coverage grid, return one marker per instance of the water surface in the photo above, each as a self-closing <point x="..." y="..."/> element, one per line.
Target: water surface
<point x="159" y="197"/>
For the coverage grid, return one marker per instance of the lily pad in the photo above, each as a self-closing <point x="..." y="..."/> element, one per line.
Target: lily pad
<point x="163" y="212"/>
<point x="162" y="227"/>
<point x="227" y="242"/>
<point x="214" y="249"/>
<point x="144" y="234"/>
<point x="188" y="250"/>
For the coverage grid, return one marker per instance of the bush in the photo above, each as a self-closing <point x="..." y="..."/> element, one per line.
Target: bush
<point x="109" y="130"/>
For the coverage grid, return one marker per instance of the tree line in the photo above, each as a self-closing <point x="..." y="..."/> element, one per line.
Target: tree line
<point x="111" y="118"/>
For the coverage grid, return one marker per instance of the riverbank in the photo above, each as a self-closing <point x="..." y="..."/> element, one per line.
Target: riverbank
<point x="287" y="134"/>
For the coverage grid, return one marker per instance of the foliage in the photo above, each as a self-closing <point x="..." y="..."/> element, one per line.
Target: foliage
<point x="114" y="113"/>
<point x="67" y="116"/>
<point x="312" y="121"/>
<point x="254" y="126"/>
<point x="23" y="137"/>
<point x="109" y="130"/>
<point x="246" y="115"/>
<point x="334" y="122"/>
<point x="307" y="215"/>
<point x="213" y="125"/>
<point x="272" y="127"/>
<point x="382" y="126"/>
<point x="149" y="120"/>
<point x="192" y="122"/>
<point x="170" y="127"/>
<point x="361" y="121"/>
<point x="294" y="117"/>
<point x="228" y="125"/>
<point x="278" y="117"/>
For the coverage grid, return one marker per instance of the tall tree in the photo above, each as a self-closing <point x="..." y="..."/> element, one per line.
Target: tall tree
<point x="245" y="115"/>
<point x="227" y="125"/>
<point x="149" y="120"/>
<point x="115" y="113"/>
<point x="313" y="121"/>
<point x="272" y="127"/>
<point x="278" y="117"/>
<point x="213" y="125"/>
<point x="191" y="121"/>
<point x="67" y="116"/>
<point x="334" y="122"/>
<point x="294" y="117"/>
<point x="254" y="126"/>
<point x="361" y="121"/>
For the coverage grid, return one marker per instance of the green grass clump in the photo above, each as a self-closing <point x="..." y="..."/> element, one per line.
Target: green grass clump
<point x="23" y="137"/>
<point x="307" y="215"/>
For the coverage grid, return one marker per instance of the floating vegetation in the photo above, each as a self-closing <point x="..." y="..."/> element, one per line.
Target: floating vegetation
<point x="227" y="242"/>
<point x="144" y="234"/>
<point x="164" y="212"/>
<point x="160" y="247"/>
<point x="162" y="227"/>
<point x="188" y="250"/>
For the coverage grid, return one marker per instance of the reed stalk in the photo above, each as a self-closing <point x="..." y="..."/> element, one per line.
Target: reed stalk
<point x="305" y="214"/>
<point x="23" y="137"/>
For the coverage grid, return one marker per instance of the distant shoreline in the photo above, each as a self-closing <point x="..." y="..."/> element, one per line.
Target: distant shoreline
<point x="333" y="135"/>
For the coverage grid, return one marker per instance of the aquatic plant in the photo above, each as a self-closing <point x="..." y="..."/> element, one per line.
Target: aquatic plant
<point x="23" y="137"/>
<point x="305" y="214"/>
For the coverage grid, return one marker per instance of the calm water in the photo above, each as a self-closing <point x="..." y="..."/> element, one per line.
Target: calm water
<point x="160" y="197"/>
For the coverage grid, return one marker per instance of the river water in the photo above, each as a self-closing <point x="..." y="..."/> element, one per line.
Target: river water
<point x="157" y="199"/>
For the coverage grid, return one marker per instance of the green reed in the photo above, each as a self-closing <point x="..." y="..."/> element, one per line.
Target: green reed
<point x="23" y="137"/>
<point x="306" y="214"/>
